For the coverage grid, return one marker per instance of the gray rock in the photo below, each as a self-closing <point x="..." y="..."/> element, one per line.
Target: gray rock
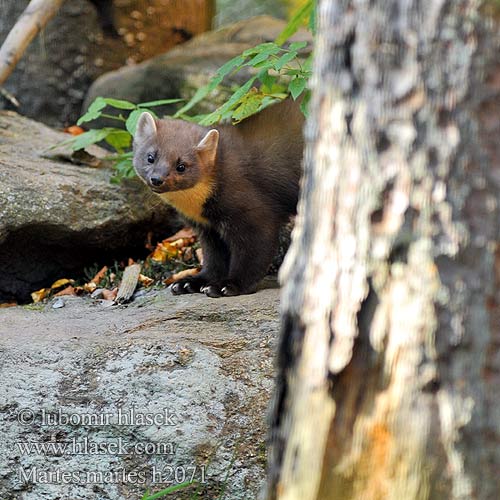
<point x="229" y="11"/>
<point x="58" y="303"/>
<point x="203" y="367"/>
<point x="57" y="217"/>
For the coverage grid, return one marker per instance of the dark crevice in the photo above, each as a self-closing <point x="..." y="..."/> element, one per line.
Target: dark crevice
<point x="34" y="256"/>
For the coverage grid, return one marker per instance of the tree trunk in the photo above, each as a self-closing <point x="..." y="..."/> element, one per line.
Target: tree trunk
<point x="385" y="358"/>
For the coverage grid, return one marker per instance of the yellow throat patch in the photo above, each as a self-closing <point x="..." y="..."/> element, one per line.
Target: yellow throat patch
<point x="190" y="201"/>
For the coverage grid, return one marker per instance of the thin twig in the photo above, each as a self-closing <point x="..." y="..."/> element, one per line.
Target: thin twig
<point x="10" y="97"/>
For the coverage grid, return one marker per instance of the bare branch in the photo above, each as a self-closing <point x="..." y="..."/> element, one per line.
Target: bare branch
<point x="32" y="20"/>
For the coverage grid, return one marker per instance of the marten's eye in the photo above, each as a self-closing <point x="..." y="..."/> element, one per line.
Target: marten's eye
<point x="181" y="167"/>
<point x="151" y="158"/>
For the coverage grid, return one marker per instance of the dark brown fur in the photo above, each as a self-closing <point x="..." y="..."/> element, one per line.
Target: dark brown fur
<point x="237" y="191"/>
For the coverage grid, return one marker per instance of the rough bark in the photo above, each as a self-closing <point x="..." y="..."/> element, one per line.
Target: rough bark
<point x="382" y="387"/>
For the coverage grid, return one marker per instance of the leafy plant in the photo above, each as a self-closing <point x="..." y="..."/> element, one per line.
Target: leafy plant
<point x="277" y="72"/>
<point x="273" y="62"/>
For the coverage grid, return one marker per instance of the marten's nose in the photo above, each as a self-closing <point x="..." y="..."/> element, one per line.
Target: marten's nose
<point x="156" y="181"/>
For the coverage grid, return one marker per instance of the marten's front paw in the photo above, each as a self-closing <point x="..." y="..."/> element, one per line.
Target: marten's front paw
<point x="227" y="289"/>
<point x="188" y="285"/>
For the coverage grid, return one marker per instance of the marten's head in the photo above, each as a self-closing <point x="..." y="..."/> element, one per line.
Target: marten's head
<point x="172" y="155"/>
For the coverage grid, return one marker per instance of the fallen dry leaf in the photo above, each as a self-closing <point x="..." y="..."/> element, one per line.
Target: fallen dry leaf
<point x="182" y="274"/>
<point x="60" y="283"/>
<point x="74" y="130"/>
<point x="180" y="243"/>
<point x="89" y="287"/>
<point x="69" y="290"/>
<point x="8" y="304"/>
<point x="99" y="276"/>
<point x="145" y="280"/>
<point x="109" y="294"/>
<point x="164" y="251"/>
<point x="41" y="294"/>
<point x="184" y="233"/>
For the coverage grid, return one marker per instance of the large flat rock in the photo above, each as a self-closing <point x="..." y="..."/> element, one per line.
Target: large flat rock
<point x="57" y="217"/>
<point x="203" y="367"/>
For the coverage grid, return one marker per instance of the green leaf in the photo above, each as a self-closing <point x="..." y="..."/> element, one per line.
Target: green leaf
<point x="161" y="102"/>
<point x="263" y="55"/>
<point x="211" y="119"/>
<point x="125" y="169"/>
<point x="226" y="115"/>
<point x="200" y="94"/>
<point x="87" y="138"/>
<point x="229" y="104"/>
<point x="248" y="107"/>
<point x="278" y="96"/>
<point x="296" y="46"/>
<point x="312" y="18"/>
<point x="170" y="489"/>
<point x="93" y="112"/>
<point x="268" y="100"/>
<point x="194" y="118"/>
<point x="304" y="105"/>
<point x="308" y="63"/>
<point x="284" y="59"/>
<point x="267" y="79"/>
<point x="120" y="157"/>
<point x="119" y="139"/>
<point x="294" y="72"/>
<point x="297" y="86"/>
<point x="297" y="20"/>
<point x="119" y="103"/>
<point x="133" y="118"/>
<point x="230" y="65"/>
<point x="239" y="93"/>
<point x="258" y="48"/>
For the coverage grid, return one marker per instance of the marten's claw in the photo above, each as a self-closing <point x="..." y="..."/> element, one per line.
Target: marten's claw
<point x="177" y="289"/>
<point x="229" y="291"/>
<point x="216" y="291"/>
<point x="180" y="288"/>
<point x="188" y="285"/>
<point x="211" y="291"/>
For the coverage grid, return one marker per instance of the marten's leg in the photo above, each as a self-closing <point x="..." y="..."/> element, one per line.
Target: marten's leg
<point x="215" y="264"/>
<point x="252" y="245"/>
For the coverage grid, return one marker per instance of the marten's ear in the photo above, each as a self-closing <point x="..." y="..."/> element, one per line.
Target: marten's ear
<point x="207" y="148"/>
<point x="146" y="127"/>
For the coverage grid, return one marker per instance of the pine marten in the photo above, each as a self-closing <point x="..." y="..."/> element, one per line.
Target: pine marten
<point x="237" y="185"/>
